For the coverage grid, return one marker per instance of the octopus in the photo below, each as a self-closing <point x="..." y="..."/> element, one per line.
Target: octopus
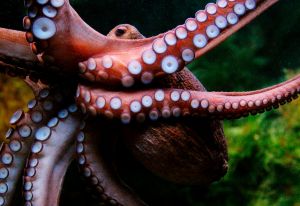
<point x="92" y="91"/>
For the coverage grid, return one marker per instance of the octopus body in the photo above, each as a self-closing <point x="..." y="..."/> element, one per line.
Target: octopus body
<point x="137" y="87"/>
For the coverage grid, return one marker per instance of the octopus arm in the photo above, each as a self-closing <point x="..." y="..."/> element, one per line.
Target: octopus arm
<point x="94" y="154"/>
<point x="51" y="153"/>
<point x="17" y="59"/>
<point x="165" y="103"/>
<point x="14" y="47"/>
<point x="61" y="35"/>
<point x="20" y="136"/>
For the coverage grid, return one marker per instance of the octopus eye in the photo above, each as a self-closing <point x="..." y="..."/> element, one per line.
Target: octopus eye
<point x="120" y="31"/>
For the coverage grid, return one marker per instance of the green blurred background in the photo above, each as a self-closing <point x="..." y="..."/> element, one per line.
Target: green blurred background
<point x="264" y="150"/>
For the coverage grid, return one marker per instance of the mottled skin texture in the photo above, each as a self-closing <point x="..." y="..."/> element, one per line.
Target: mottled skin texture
<point x="180" y="140"/>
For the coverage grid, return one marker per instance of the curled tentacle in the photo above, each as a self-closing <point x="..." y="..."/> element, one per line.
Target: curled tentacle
<point x="170" y="52"/>
<point x="49" y="22"/>
<point x="51" y="153"/>
<point x="17" y="59"/>
<point x="12" y="70"/>
<point x="15" y="49"/>
<point x="20" y="137"/>
<point x="93" y="158"/>
<point x="176" y="102"/>
<point x="166" y="142"/>
<point x="117" y="61"/>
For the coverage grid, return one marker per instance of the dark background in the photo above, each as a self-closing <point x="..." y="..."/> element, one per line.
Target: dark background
<point x="264" y="151"/>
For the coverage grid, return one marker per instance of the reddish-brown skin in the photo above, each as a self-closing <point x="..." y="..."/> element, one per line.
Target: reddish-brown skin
<point x="84" y="43"/>
<point x="206" y="148"/>
<point x="159" y="147"/>
<point x="186" y="145"/>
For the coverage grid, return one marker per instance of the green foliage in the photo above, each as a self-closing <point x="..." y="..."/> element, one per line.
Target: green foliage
<point x="242" y="62"/>
<point x="264" y="159"/>
<point x="255" y="56"/>
<point x="14" y="94"/>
